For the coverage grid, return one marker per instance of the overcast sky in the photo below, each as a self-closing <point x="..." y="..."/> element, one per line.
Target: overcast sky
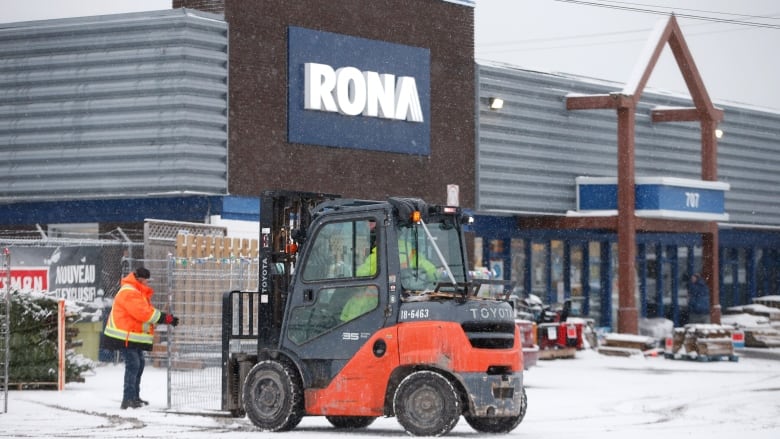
<point x="737" y="55"/>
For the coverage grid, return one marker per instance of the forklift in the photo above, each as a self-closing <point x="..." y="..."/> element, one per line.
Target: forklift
<point x="365" y="309"/>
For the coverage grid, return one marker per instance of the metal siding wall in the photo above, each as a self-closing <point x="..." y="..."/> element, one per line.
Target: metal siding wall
<point x="530" y="152"/>
<point x="523" y="164"/>
<point x="127" y="104"/>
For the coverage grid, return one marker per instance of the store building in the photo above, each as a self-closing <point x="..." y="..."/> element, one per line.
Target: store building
<point x="189" y="114"/>
<point x="533" y="154"/>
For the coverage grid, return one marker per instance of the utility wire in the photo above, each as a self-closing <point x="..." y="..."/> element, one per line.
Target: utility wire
<point x="572" y="37"/>
<point x="606" y="34"/>
<point x="731" y="14"/>
<point x="688" y="16"/>
<point x="590" y="44"/>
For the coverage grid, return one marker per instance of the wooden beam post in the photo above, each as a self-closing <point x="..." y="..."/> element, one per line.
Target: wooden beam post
<point x="710" y="246"/>
<point x="628" y="318"/>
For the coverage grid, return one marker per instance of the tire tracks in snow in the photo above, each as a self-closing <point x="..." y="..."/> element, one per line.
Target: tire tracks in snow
<point x="115" y="422"/>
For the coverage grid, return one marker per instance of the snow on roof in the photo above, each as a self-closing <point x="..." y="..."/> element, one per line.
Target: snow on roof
<point x="619" y="87"/>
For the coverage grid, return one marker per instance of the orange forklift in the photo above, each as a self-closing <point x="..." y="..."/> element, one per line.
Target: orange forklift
<point x="365" y="309"/>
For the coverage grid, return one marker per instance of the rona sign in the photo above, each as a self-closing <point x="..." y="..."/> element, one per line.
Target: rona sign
<point x="351" y="92"/>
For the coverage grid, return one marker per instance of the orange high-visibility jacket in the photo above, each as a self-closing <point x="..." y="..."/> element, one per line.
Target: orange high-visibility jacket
<point x="132" y="316"/>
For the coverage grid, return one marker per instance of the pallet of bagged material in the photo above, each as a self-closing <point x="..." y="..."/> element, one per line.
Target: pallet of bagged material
<point x="714" y="346"/>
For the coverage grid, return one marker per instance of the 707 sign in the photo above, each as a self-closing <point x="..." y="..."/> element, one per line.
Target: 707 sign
<point x="692" y="200"/>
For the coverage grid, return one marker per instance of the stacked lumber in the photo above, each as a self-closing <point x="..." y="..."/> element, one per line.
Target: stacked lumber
<point x="770" y="301"/>
<point x="626" y="345"/>
<point x="702" y="342"/>
<point x="759" y="321"/>
<point x="756" y="309"/>
<point x="765" y="337"/>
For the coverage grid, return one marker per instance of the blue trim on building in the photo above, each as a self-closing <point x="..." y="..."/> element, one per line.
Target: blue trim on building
<point x="241" y="208"/>
<point x="191" y="208"/>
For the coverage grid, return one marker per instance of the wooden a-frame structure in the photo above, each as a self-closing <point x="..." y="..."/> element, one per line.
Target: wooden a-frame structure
<point x="627" y="223"/>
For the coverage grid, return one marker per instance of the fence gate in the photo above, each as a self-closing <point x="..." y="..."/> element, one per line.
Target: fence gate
<point x="192" y="266"/>
<point x="5" y="322"/>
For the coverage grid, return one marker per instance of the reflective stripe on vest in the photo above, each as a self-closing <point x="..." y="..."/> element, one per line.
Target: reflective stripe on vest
<point x="127" y="336"/>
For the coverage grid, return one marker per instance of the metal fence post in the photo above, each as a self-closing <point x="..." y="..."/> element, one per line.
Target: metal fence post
<point x="169" y="329"/>
<point x="5" y="327"/>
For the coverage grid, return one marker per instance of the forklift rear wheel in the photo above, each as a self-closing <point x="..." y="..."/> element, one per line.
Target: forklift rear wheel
<point x="351" y="422"/>
<point x="427" y="404"/>
<point x="273" y="396"/>
<point x="498" y="424"/>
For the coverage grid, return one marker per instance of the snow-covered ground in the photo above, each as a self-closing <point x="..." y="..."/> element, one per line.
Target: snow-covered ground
<point x="590" y="396"/>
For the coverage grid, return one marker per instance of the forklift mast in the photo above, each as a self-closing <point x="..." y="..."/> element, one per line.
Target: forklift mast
<point x="284" y="218"/>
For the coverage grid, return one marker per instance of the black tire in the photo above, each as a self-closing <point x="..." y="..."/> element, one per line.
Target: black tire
<point x="273" y="396"/>
<point x="351" y="422"/>
<point x="503" y="424"/>
<point x="427" y="404"/>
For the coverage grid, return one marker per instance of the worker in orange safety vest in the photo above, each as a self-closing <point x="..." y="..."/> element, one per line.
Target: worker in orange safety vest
<point x="130" y="329"/>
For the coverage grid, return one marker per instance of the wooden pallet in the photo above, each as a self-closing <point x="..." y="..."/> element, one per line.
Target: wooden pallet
<point x="552" y="354"/>
<point x="33" y="385"/>
<point x="702" y="358"/>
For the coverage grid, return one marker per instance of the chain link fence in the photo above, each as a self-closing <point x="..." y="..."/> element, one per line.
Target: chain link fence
<point x="193" y="350"/>
<point x="192" y="266"/>
<point x="38" y="273"/>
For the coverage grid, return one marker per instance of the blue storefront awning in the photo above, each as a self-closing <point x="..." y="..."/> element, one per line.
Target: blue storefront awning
<point x="657" y="197"/>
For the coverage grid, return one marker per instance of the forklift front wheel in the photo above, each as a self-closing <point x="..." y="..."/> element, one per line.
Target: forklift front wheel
<point x="499" y="424"/>
<point x="273" y="396"/>
<point x="427" y="404"/>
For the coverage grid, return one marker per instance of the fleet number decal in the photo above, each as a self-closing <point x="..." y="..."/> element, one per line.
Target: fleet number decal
<point x="410" y="314"/>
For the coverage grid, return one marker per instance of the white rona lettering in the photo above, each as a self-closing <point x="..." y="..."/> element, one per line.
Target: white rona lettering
<point x="351" y="92"/>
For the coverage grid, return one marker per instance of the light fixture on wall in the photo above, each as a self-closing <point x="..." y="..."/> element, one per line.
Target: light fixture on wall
<point x="718" y="133"/>
<point x="496" y="103"/>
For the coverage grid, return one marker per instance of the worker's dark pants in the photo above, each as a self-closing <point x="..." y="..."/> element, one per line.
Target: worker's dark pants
<point x="134" y="368"/>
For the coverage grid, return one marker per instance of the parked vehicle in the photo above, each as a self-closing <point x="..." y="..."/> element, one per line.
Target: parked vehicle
<point x="560" y="330"/>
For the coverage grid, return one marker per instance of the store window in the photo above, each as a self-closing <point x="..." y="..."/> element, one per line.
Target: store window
<point x="575" y="271"/>
<point x="539" y="269"/>
<point x="556" y="270"/>
<point x="518" y="266"/>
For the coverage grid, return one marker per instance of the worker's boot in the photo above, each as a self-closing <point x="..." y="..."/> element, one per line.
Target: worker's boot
<point x="132" y="404"/>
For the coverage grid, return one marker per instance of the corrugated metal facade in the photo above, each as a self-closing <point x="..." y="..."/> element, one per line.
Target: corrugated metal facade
<point x="532" y="149"/>
<point x="115" y="105"/>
